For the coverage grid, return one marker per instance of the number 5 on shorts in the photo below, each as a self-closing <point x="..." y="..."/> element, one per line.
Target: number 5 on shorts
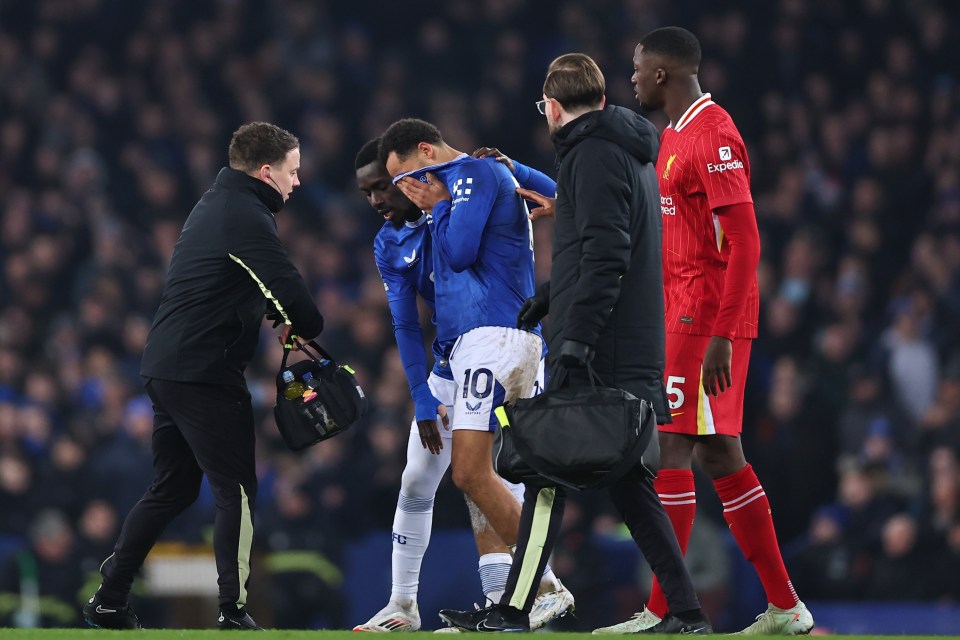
<point x="673" y="390"/>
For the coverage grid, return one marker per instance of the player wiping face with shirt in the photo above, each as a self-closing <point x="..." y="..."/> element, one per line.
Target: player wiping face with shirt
<point x="403" y="250"/>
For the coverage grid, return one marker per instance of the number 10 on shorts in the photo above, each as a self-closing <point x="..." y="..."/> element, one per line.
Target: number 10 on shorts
<point x="479" y="382"/>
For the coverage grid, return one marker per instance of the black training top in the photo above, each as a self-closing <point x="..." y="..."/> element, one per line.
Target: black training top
<point x="606" y="283"/>
<point x="228" y="269"/>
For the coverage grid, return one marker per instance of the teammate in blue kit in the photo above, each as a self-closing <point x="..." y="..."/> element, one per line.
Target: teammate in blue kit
<point x="403" y="253"/>
<point x="483" y="269"/>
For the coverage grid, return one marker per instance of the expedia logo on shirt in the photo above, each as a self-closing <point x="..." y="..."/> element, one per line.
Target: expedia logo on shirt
<point x="720" y="167"/>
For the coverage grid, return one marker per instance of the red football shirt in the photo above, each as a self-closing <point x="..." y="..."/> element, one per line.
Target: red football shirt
<point x="702" y="166"/>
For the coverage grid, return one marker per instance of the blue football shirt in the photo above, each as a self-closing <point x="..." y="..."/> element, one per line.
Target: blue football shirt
<point x="482" y="246"/>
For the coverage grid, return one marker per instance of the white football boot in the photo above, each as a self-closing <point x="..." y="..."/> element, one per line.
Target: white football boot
<point x="550" y="606"/>
<point x="639" y="622"/>
<point x="775" y="621"/>
<point x="393" y="617"/>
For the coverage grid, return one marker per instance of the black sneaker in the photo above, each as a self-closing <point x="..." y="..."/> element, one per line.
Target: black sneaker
<point x="673" y="624"/>
<point x="237" y="620"/>
<point x="496" y="618"/>
<point x="101" y="616"/>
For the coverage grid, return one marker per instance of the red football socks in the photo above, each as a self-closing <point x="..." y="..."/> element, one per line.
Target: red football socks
<point x="747" y="511"/>
<point x="677" y="493"/>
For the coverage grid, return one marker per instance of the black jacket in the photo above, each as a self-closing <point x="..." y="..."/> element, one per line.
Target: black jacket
<point x="227" y="264"/>
<point x="606" y="284"/>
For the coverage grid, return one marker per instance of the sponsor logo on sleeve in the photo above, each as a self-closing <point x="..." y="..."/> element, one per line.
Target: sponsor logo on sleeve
<point x="727" y="162"/>
<point x="462" y="189"/>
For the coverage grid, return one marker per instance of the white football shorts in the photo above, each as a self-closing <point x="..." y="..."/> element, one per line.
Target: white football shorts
<point x="493" y="365"/>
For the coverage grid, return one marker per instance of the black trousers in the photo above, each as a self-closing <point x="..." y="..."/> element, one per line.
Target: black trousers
<point x="637" y="501"/>
<point x="197" y="429"/>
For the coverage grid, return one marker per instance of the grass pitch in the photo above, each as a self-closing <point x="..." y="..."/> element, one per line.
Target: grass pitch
<point x="210" y="634"/>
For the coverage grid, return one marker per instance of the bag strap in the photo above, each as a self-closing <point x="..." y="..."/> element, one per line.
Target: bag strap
<point x="628" y="462"/>
<point x="318" y="352"/>
<point x="563" y="372"/>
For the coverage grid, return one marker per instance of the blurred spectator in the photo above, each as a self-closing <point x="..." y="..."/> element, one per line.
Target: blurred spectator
<point x="822" y="563"/>
<point x="905" y="570"/>
<point x="43" y="580"/>
<point x="111" y="118"/>
<point x="911" y="361"/>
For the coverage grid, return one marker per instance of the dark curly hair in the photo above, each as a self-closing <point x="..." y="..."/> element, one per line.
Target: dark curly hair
<point x="403" y="136"/>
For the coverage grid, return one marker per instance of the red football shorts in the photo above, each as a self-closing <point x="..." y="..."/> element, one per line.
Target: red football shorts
<point x="692" y="410"/>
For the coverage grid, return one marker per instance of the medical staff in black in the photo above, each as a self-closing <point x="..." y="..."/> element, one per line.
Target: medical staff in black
<point x="605" y="302"/>
<point x="228" y="270"/>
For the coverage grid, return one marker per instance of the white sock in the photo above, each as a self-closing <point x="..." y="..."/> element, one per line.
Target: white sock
<point x="549" y="579"/>
<point x="494" y="569"/>
<point x="516" y="489"/>
<point x="411" y="535"/>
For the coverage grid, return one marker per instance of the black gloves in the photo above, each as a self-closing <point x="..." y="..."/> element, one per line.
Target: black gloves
<point x="534" y="308"/>
<point x="575" y="355"/>
<point x="274" y="315"/>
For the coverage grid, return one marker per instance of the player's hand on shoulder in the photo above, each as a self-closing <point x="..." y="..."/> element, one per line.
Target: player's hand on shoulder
<point x="496" y="154"/>
<point x="546" y="207"/>
<point x="425" y="195"/>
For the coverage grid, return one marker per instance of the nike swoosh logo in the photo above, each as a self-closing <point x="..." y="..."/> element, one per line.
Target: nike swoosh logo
<point x="100" y="609"/>
<point x="678" y="413"/>
<point x="697" y="630"/>
<point x="482" y="626"/>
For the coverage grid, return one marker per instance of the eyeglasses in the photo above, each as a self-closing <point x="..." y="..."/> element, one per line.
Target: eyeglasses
<point x="542" y="107"/>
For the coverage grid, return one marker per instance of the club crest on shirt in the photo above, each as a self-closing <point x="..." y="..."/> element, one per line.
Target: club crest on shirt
<point x="670" y="161"/>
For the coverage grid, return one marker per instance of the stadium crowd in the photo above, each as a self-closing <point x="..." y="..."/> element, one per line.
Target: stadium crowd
<point x="114" y="117"/>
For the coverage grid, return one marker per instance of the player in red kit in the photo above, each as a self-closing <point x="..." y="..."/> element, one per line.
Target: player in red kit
<point x="711" y="248"/>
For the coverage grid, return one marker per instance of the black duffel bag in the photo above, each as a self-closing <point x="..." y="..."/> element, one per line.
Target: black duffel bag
<point x="584" y="437"/>
<point x="338" y="403"/>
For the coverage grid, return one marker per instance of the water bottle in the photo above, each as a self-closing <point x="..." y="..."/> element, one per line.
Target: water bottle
<point x="293" y="388"/>
<point x="309" y="385"/>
